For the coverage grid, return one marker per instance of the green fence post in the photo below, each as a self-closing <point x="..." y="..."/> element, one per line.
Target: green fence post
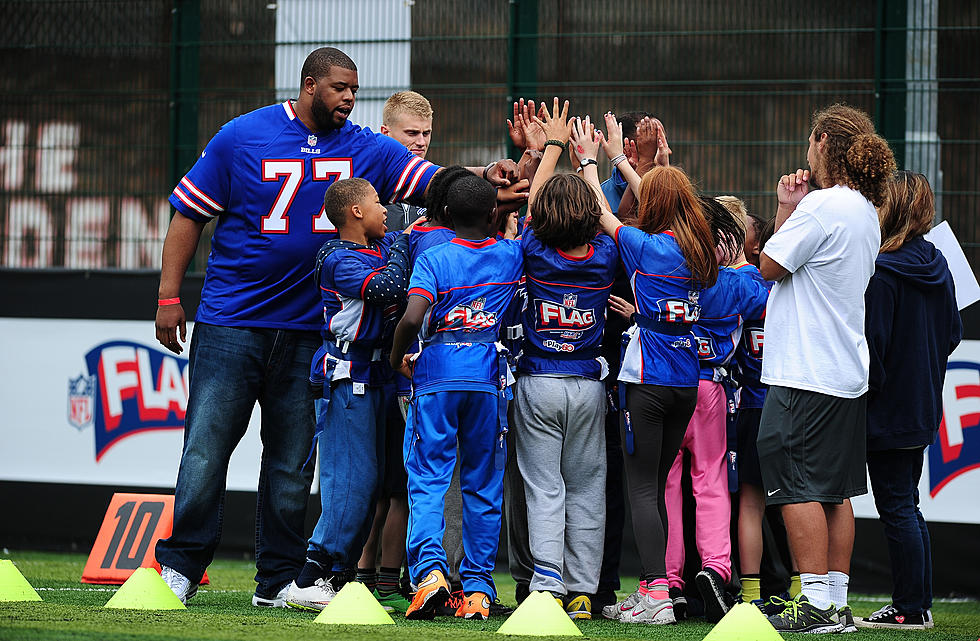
<point x="522" y="50"/>
<point x="891" y="33"/>
<point x="184" y="86"/>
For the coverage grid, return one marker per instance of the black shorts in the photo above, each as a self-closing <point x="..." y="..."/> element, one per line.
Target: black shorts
<point x="812" y="447"/>
<point x="395" y="481"/>
<point x="746" y="434"/>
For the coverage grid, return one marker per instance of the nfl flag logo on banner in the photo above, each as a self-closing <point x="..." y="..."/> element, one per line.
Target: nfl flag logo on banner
<point x="81" y="397"/>
<point x="311" y="140"/>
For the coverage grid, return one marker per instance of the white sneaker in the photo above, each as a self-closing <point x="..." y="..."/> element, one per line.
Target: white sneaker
<point x="279" y="601"/>
<point x="651" y="611"/>
<point x="616" y="610"/>
<point x="316" y="597"/>
<point x="183" y="587"/>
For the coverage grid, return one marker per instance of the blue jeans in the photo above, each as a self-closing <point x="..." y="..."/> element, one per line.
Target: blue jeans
<point x="231" y="368"/>
<point x="352" y="451"/>
<point x="895" y="483"/>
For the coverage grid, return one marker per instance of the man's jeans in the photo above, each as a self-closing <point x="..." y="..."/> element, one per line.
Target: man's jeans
<point x="230" y="369"/>
<point x="895" y="483"/>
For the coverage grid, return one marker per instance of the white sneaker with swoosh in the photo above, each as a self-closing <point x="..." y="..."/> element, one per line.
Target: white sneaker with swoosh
<point x="651" y="611"/>
<point x="624" y="607"/>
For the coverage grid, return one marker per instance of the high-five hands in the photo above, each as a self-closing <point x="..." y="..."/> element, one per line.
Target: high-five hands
<point x="585" y="139"/>
<point x="524" y="132"/>
<point x="554" y="124"/>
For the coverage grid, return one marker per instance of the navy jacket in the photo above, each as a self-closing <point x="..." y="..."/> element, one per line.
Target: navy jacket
<point x="912" y="326"/>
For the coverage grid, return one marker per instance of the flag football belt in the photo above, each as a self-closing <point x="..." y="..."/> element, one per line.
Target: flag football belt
<point x="503" y="391"/>
<point x="662" y="327"/>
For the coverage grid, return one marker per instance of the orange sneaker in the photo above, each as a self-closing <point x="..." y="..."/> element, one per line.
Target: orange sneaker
<point x="431" y="593"/>
<point x="475" y="606"/>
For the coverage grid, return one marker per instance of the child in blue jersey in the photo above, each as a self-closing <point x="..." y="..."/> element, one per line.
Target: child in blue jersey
<point x="560" y="397"/>
<point x="717" y="330"/>
<point x="670" y="260"/>
<point x="360" y="274"/>
<point x="457" y="294"/>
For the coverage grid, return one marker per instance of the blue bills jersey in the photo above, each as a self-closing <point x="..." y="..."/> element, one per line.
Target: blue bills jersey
<point x="360" y="287"/>
<point x="667" y="295"/>
<point x="748" y="354"/>
<point x="423" y="238"/>
<point x="566" y="307"/>
<point x="263" y="177"/>
<point x="734" y="297"/>
<point x="469" y="285"/>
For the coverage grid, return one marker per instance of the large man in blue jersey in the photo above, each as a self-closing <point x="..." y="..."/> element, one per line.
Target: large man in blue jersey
<point x="263" y="177"/>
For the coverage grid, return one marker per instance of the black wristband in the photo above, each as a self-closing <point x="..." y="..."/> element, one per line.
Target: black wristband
<point x="487" y="169"/>
<point x="556" y="143"/>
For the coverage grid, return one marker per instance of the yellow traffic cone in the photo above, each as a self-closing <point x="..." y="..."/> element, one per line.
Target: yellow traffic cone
<point x="354" y="605"/>
<point x="540" y="615"/>
<point x="145" y="590"/>
<point x="744" y="622"/>
<point x="13" y="585"/>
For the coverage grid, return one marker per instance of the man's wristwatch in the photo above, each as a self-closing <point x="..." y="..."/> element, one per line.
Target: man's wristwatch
<point x="585" y="162"/>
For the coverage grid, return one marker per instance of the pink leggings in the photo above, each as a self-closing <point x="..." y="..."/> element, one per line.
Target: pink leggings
<point x="705" y="440"/>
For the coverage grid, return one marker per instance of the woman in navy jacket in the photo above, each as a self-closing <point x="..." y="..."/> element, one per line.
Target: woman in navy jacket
<point x="912" y="326"/>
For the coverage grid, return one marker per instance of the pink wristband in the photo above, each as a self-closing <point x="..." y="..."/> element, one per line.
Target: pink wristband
<point x="168" y="301"/>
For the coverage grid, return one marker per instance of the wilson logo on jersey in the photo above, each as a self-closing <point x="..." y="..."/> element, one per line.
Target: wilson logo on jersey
<point x="706" y="348"/>
<point x="552" y="317"/>
<point x="958" y="448"/>
<point x="754" y="340"/>
<point x="678" y="310"/>
<point x="129" y="388"/>
<point x="471" y="316"/>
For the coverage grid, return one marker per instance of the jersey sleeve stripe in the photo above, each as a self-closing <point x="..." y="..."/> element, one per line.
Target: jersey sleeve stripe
<point x="415" y="180"/>
<point x="190" y="203"/>
<point x="401" y="180"/>
<point x="200" y="194"/>
<point x="289" y="110"/>
<point x="418" y="291"/>
<point x="368" y="280"/>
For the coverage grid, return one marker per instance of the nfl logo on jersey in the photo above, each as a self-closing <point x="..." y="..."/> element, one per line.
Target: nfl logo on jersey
<point x="81" y="397"/>
<point x="479" y="303"/>
<point x="311" y="140"/>
<point x="569" y="300"/>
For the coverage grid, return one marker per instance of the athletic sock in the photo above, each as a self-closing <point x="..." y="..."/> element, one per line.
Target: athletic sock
<point x="751" y="588"/>
<point x="643" y="588"/>
<point x="838" y="588"/>
<point x="368" y="577"/>
<point x="816" y="589"/>
<point x="310" y="573"/>
<point x="388" y="581"/>
<point x="658" y="589"/>
<point x="794" y="585"/>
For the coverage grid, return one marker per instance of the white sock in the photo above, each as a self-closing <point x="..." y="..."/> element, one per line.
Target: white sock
<point x="838" y="588"/>
<point x="816" y="589"/>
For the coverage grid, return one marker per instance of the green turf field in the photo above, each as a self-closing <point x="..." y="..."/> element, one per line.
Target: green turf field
<point x="223" y="610"/>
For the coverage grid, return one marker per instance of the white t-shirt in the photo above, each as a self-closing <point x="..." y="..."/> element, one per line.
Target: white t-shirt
<point x="815" y="315"/>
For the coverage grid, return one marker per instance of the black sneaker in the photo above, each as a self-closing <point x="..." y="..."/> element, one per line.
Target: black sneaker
<point x="888" y="618"/>
<point x="498" y="609"/>
<point x="802" y="616"/>
<point x="454" y="602"/>
<point x="773" y="605"/>
<point x="712" y="590"/>
<point x="846" y="619"/>
<point x="680" y="603"/>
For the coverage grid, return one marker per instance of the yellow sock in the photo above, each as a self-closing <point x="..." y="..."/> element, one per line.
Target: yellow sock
<point x="751" y="588"/>
<point x="794" y="586"/>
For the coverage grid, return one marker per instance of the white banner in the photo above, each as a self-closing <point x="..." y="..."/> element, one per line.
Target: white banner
<point x="951" y="471"/>
<point x="99" y="402"/>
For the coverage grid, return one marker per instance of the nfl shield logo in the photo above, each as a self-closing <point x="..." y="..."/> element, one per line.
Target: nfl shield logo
<point x="479" y="303"/>
<point x="311" y="140"/>
<point x="569" y="300"/>
<point x="81" y="399"/>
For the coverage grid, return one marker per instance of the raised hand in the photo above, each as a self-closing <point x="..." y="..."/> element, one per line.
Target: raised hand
<point x="629" y="148"/>
<point x="584" y="139"/>
<point x="646" y="139"/>
<point x="662" y="159"/>
<point x="612" y="142"/>
<point x="533" y="134"/>
<point x="792" y="188"/>
<point x="514" y="128"/>
<point x="554" y="124"/>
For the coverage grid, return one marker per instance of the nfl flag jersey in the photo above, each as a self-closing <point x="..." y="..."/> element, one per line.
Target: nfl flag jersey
<point x="263" y="177"/>
<point x="734" y="297"/>
<point x="566" y="307"/>
<point x="423" y="238"/>
<point x="662" y="349"/>
<point x="469" y="285"/>
<point x="748" y="354"/>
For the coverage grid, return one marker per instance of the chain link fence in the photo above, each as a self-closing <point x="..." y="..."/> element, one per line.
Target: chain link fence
<point x="106" y="103"/>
